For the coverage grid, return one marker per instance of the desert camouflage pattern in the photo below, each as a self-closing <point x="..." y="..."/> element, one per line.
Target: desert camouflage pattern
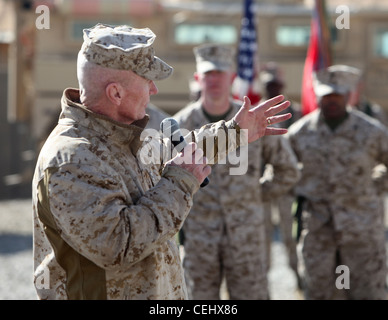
<point x="124" y="48"/>
<point x="105" y="219"/>
<point x="224" y="233"/>
<point x="343" y="214"/>
<point x="211" y="56"/>
<point x="335" y="79"/>
<point x="281" y="208"/>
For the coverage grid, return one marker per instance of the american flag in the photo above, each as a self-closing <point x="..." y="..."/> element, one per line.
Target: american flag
<point x="247" y="56"/>
<point x="318" y="55"/>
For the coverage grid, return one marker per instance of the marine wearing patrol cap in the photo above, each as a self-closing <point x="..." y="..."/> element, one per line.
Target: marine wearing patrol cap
<point x="124" y="48"/>
<point x="211" y="57"/>
<point x="271" y="73"/>
<point x="339" y="79"/>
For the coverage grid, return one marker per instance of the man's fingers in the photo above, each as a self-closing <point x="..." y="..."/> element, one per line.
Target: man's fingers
<point x="198" y="157"/>
<point x="207" y="170"/>
<point x="247" y="103"/>
<point x="190" y="148"/>
<point x="276" y="109"/>
<point x="280" y="118"/>
<point x="271" y="131"/>
<point x="186" y="155"/>
<point x="191" y="154"/>
<point x="246" y="106"/>
<point x="270" y="102"/>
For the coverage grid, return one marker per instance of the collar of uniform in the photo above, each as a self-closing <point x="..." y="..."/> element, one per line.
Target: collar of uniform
<point x="322" y="120"/>
<point x="234" y="106"/>
<point x="74" y="113"/>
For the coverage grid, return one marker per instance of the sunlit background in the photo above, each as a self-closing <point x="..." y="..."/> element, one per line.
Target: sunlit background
<point x="38" y="63"/>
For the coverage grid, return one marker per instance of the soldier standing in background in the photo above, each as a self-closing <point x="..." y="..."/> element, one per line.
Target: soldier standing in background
<point x="273" y="85"/>
<point x="224" y="235"/>
<point x="342" y="211"/>
<point x="272" y="81"/>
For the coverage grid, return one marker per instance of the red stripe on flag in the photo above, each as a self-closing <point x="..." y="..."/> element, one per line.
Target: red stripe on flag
<point x="309" y="101"/>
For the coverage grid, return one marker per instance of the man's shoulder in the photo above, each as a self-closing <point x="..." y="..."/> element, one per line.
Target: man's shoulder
<point x="65" y="146"/>
<point x="304" y="122"/>
<point x="367" y="121"/>
<point x="188" y="110"/>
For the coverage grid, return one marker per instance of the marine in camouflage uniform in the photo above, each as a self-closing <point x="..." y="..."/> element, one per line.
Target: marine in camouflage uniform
<point x="104" y="217"/>
<point x="343" y="217"/>
<point x="224" y="234"/>
<point x="106" y="205"/>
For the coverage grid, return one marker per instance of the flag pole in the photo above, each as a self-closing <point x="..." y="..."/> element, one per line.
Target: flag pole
<point x="319" y="55"/>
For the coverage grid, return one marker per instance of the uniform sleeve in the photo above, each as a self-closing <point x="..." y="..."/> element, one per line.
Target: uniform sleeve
<point x="218" y="139"/>
<point x="278" y="153"/>
<point x="94" y="216"/>
<point x="380" y="175"/>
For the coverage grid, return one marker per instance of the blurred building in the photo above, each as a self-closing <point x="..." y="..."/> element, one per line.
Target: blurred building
<point x="37" y="64"/>
<point x="16" y="98"/>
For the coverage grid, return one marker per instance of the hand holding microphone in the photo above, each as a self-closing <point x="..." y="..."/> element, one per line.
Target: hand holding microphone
<point x="192" y="158"/>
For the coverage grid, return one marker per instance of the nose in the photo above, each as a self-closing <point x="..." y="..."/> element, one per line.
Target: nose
<point x="153" y="88"/>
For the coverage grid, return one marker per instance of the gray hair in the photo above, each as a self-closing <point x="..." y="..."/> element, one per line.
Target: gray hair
<point x="93" y="79"/>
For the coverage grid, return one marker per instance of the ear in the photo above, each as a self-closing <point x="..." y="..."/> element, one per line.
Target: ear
<point x="114" y="92"/>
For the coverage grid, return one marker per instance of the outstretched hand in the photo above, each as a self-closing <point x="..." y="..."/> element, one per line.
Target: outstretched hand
<point x="258" y="119"/>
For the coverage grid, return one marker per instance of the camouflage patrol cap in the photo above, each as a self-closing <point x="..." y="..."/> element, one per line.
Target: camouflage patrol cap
<point x="124" y="48"/>
<point x="214" y="57"/>
<point x="339" y="79"/>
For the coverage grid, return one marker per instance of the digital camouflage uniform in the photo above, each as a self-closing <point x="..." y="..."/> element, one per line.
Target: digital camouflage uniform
<point x="104" y="219"/>
<point x="224" y="233"/>
<point x="105" y="209"/>
<point x="343" y="215"/>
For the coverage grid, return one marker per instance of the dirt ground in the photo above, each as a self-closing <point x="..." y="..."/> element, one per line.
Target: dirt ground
<point x="16" y="262"/>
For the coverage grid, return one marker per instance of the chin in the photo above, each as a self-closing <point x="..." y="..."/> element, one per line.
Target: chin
<point x="142" y="115"/>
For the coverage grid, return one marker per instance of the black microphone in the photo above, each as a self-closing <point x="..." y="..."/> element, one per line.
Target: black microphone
<point x="170" y="129"/>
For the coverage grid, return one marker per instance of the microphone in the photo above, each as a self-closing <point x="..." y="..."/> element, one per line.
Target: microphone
<point x="169" y="126"/>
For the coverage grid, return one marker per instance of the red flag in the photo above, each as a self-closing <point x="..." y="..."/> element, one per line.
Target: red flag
<point x="318" y="55"/>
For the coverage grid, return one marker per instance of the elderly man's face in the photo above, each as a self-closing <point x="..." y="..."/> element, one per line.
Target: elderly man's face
<point x="333" y="106"/>
<point x="136" y="98"/>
